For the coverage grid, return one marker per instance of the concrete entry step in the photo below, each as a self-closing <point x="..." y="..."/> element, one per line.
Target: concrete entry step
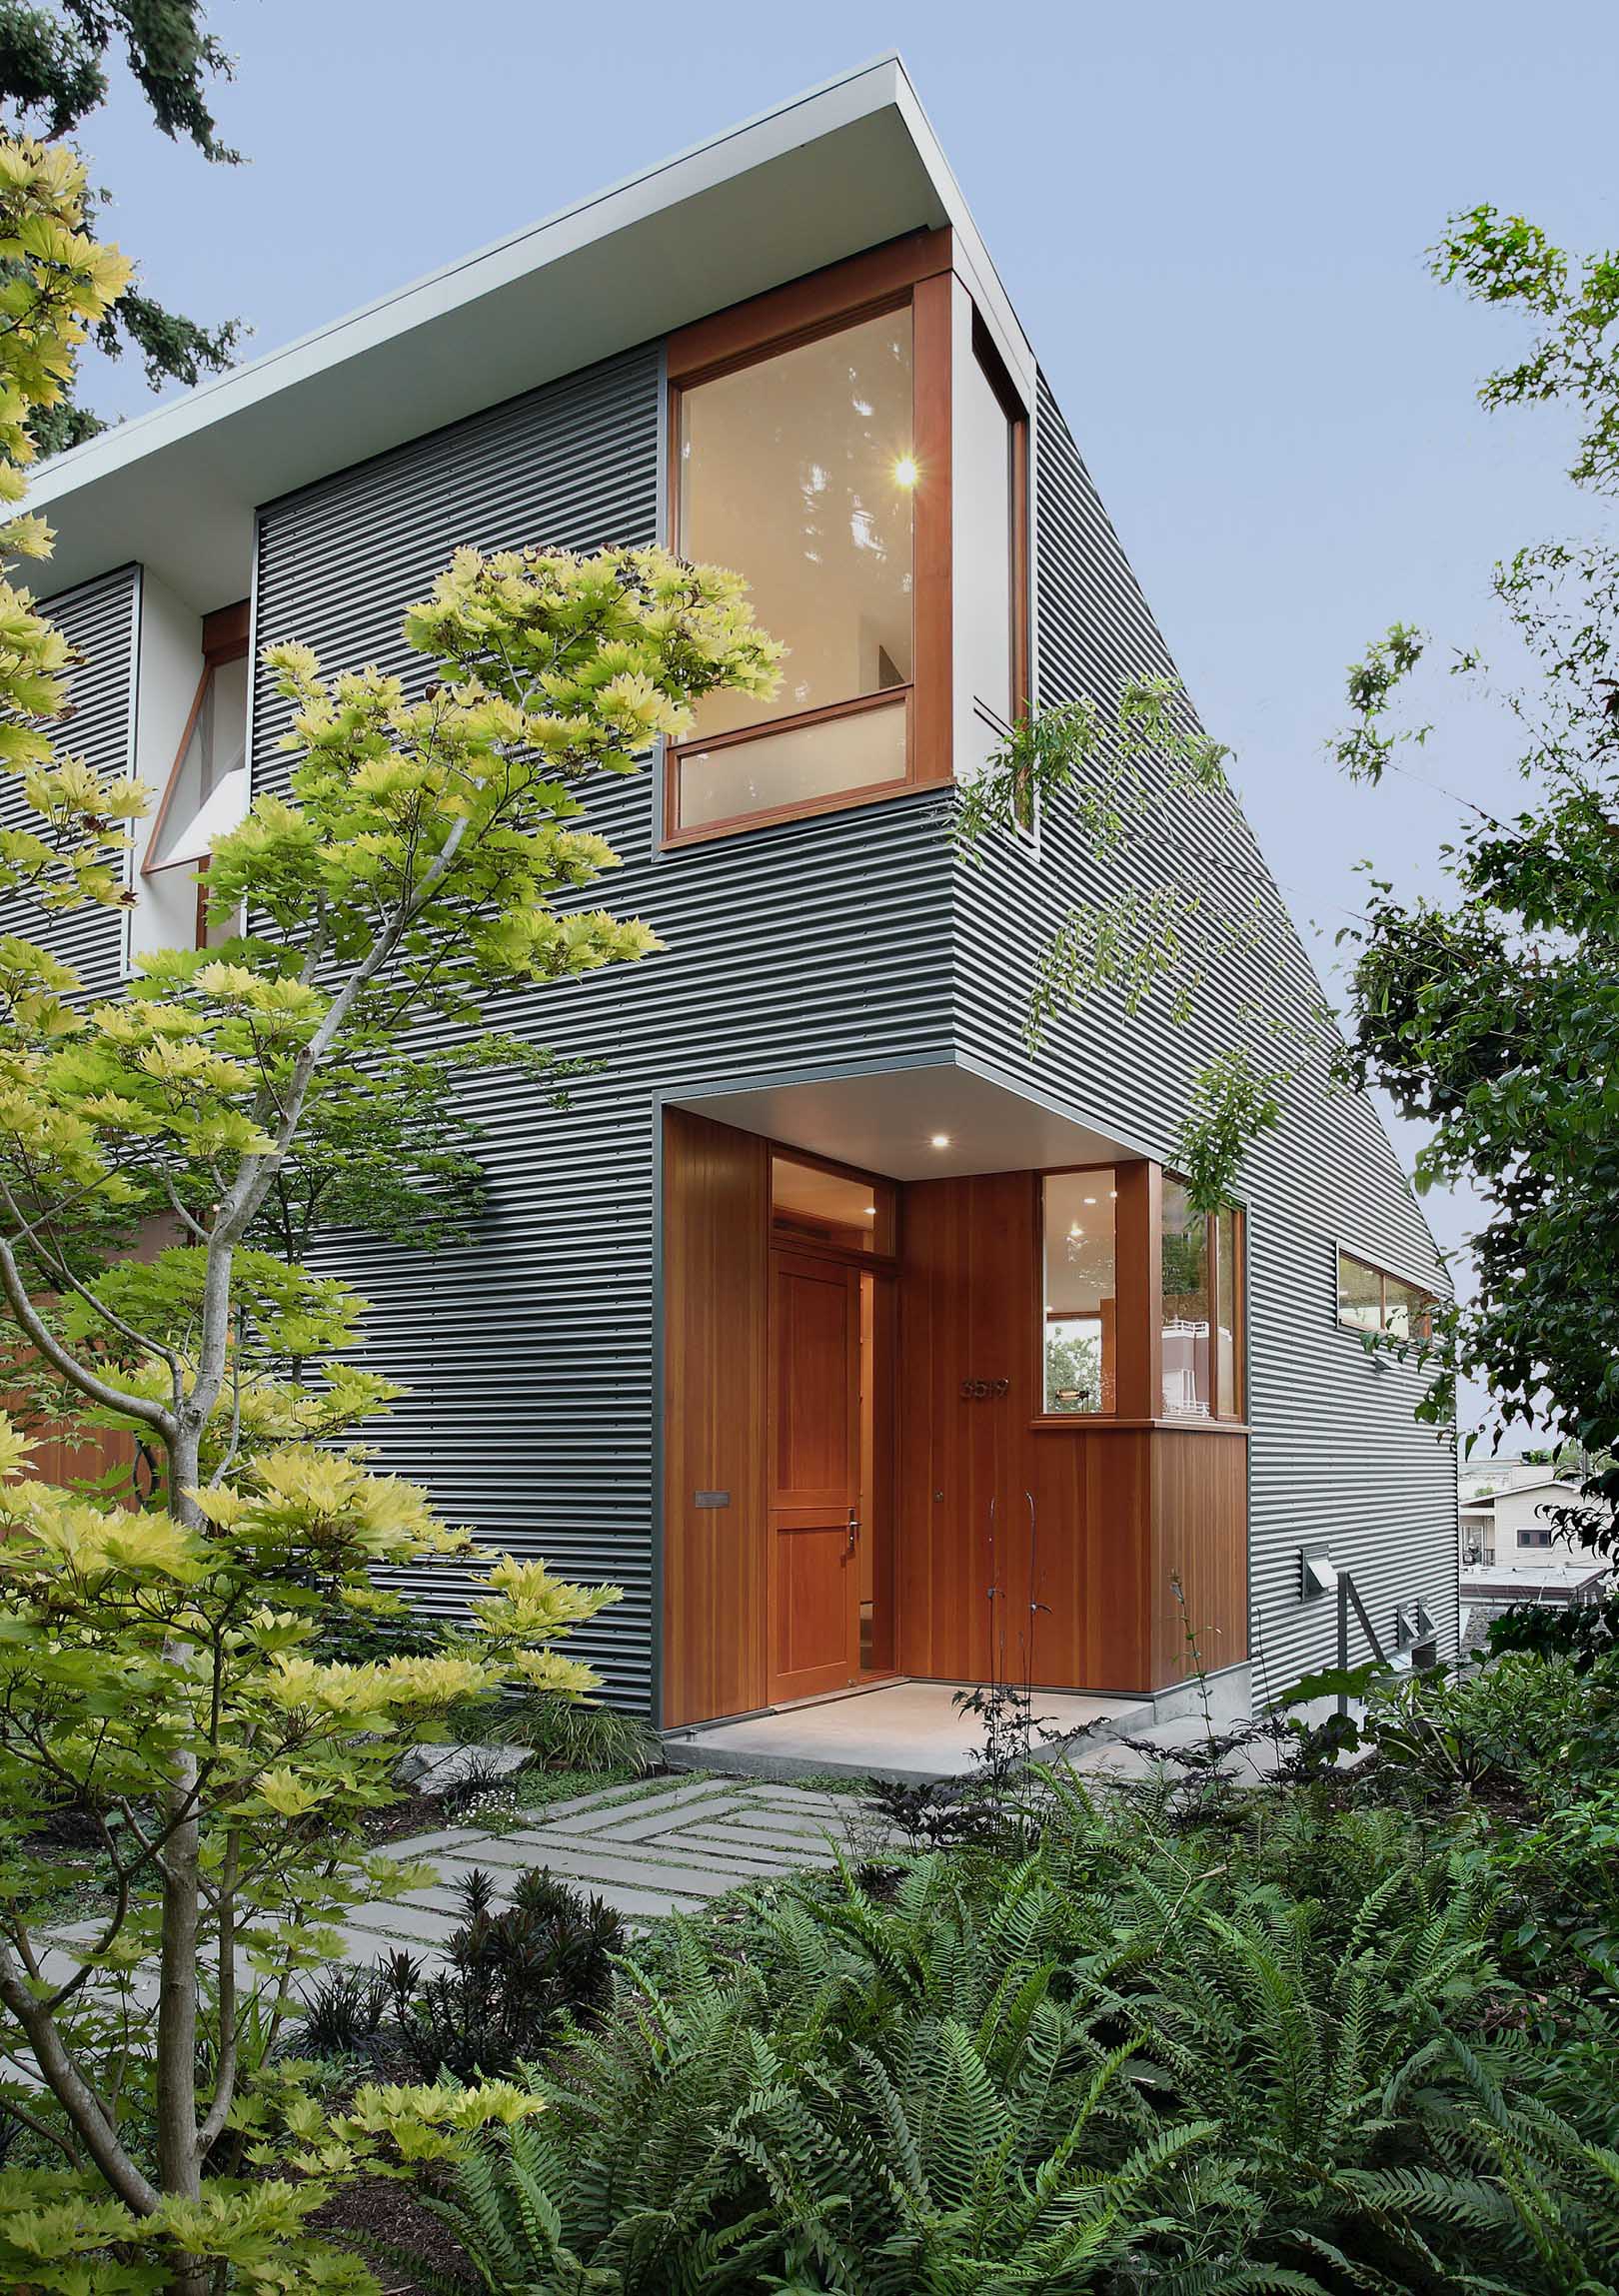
<point x="909" y="1731"/>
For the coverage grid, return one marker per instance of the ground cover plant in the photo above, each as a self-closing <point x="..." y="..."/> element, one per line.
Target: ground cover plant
<point x="1345" y="2031"/>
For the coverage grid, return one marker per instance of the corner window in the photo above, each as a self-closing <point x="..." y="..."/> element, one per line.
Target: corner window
<point x="801" y="471"/>
<point x="1371" y="1300"/>
<point x="1079" y="1332"/>
<point x="988" y="520"/>
<point x="1200" y="1266"/>
<point x="207" y="792"/>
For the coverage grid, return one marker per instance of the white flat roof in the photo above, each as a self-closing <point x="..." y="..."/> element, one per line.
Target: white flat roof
<point x="843" y="167"/>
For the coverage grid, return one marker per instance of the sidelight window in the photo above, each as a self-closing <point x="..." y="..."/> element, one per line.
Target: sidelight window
<point x="1079" y="1349"/>
<point x="1200" y="1269"/>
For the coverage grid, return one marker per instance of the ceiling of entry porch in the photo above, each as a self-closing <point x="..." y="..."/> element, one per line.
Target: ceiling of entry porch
<point x="924" y="1122"/>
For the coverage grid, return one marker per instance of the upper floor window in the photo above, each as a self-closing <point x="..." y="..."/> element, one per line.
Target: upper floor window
<point x="207" y="791"/>
<point x="988" y="522"/>
<point x="851" y="446"/>
<point x="1371" y="1300"/>
<point x="801" y="471"/>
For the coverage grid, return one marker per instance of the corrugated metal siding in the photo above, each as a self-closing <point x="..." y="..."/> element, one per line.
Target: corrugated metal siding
<point x="1336" y="1457"/>
<point x="101" y="618"/>
<point x="1333" y="1442"/>
<point x="530" y="1353"/>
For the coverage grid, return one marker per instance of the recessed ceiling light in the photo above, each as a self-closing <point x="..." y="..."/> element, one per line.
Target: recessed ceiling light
<point x="1090" y="1199"/>
<point x="941" y="1139"/>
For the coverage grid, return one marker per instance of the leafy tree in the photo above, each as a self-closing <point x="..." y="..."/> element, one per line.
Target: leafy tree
<point x="1492" y="1013"/>
<point x="53" y="76"/>
<point x="157" y="1675"/>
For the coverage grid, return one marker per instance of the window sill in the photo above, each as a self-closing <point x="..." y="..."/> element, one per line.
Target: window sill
<point x="1108" y="1422"/>
<point x="836" y="802"/>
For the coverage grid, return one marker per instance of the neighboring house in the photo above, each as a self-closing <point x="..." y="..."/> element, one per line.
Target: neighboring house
<point x="1519" y="1524"/>
<point x="848" y="1334"/>
<point x="1488" y="1591"/>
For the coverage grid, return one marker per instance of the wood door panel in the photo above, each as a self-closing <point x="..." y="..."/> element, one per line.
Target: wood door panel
<point x="715" y="1277"/>
<point x="812" y="1622"/>
<point x="815" y="1306"/>
<point x="815" y="1485"/>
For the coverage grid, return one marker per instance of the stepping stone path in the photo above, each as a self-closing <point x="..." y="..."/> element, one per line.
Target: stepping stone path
<point x="669" y="1846"/>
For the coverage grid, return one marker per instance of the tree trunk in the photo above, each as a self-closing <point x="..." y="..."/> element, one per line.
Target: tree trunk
<point x="179" y="2163"/>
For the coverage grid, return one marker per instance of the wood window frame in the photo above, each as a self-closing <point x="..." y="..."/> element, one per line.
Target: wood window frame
<point x="1126" y="1302"/>
<point x="224" y="638"/>
<point x="912" y="271"/>
<point x="998" y="376"/>
<point x="884" y="1252"/>
<point x="1384" y="1276"/>
<point x="1218" y="1414"/>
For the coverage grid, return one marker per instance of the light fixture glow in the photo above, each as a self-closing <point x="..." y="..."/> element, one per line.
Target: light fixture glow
<point x="905" y="470"/>
<point x="941" y="1139"/>
<point x="1090" y="1199"/>
<point x="1076" y="1230"/>
<point x="870" y="1210"/>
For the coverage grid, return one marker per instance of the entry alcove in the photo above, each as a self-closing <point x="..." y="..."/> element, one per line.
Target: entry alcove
<point x="986" y="1535"/>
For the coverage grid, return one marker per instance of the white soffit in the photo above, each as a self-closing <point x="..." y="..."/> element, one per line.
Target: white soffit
<point x="887" y="1123"/>
<point x="845" y="166"/>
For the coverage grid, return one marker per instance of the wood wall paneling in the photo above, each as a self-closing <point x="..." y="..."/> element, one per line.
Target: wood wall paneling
<point x="715" y="1224"/>
<point x="969" y="1310"/>
<point x="1199" y="1552"/>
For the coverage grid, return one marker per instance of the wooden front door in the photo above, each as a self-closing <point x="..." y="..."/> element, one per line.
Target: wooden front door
<point x="815" y="1475"/>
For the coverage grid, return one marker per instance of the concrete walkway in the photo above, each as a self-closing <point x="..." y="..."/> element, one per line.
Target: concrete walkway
<point x="670" y="1846"/>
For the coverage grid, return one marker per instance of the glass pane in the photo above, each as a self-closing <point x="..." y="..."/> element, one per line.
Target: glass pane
<point x="797" y="473"/>
<point x="983" y="550"/>
<point x="1230" y="1380"/>
<point x="1186" y="1305"/>
<point x="1080" y="1292"/>
<point x="826" y="1207"/>
<point x="210" y="790"/>
<point x="1406" y="1311"/>
<point x="1360" y="1294"/>
<point x="788" y="769"/>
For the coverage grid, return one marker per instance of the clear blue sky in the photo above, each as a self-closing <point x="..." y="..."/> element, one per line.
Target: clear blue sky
<point x="1212" y="222"/>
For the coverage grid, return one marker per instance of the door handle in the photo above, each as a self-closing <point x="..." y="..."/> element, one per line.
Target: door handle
<point x="853" y="1529"/>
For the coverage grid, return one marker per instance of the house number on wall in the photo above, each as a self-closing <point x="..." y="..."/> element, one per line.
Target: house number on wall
<point x="981" y="1389"/>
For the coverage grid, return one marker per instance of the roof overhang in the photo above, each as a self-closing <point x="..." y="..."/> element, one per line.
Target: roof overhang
<point x="843" y="168"/>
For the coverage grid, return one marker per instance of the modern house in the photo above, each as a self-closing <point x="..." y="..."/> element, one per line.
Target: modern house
<point x="855" y="1337"/>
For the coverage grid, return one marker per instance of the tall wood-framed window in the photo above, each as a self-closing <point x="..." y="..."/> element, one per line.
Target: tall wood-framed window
<point x="990" y="553"/>
<point x="206" y="794"/>
<point x="813" y="451"/>
<point x="1201" y="1342"/>
<point x="1079" y="1293"/>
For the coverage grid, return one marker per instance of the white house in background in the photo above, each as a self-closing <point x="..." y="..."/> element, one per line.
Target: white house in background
<point x="1516" y="1526"/>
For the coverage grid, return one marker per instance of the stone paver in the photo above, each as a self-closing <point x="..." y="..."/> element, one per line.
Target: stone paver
<point x="671" y="1846"/>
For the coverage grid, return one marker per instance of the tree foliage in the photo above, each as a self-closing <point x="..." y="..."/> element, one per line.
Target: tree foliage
<point x="161" y="1679"/>
<point x="1493" y="1012"/>
<point x="54" y="73"/>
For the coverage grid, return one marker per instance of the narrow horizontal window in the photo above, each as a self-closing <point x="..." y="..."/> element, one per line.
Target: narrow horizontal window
<point x="1371" y="1300"/>
<point x="813" y="1204"/>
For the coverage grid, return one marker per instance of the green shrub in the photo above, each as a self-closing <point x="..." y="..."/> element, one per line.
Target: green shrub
<point x="1274" y="2056"/>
